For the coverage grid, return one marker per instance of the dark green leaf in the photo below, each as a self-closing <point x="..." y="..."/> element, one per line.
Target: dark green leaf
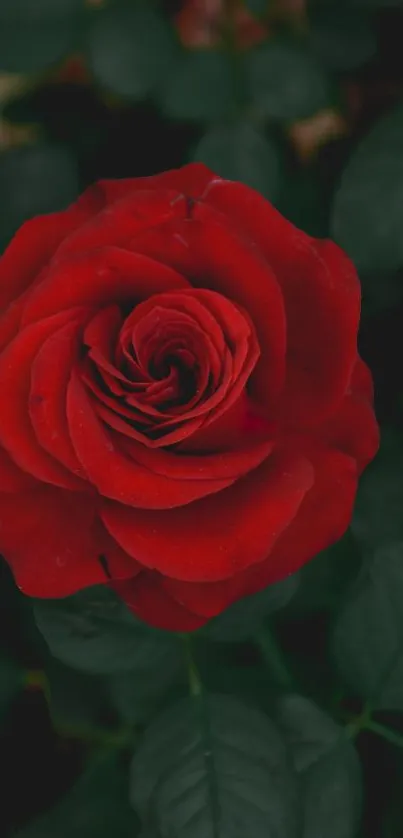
<point x="240" y="152"/>
<point x="367" y="210"/>
<point x="243" y="618"/>
<point x="285" y="82"/>
<point x="214" y="768"/>
<point x="11" y="682"/>
<point x="381" y="290"/>
<point x="378" y="518"/>
<point x="300" y="200"/>
<point x="325" y="579"/>
<point x="201" y="87"/>
<point x="257" y="7"/>
<point x="94" y="631"/>
<point x="328" y="766"/>
<point x="34" y="180"/>
<point x="368" y="634"/>
<point x="37" y="33"/>
<point x="138" y="695"/>
<point x="131" y="47"/>
<point x="97" y="807"/>
<point x="342" y="38"/>
<point x="78" y="702"/>
<point x="378" y="4"/>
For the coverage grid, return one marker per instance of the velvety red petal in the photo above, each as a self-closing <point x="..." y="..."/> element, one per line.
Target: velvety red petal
<point x="31" y="249"/>
<point x="361" y="384"/>
<point x="219" y="535"/>
<point x="113" y="419"/>
<point x="50" y="375"/>
<point x="106" y="276"/>
<point x="206" y="250"/>
<point x="222" y="466"/>
<point x="116" y="562"/>
<point x="115" y="475"/>
<point x="322" y="298"/>
<point x="135" y="210"/>
<point x="48" y="537"/>
<point x="353" y="429"/>
<point x="10" y="321"/>
<point x="206" y="599"/>
<point x="146" y="597"/>
<point x="190" y="180"/>
<point x="16" y="432"/>
<point x="100" y="337"/>
<point x="12" y="478"/>
<point x="322" y="519"/>
<point x="243" y="422"/>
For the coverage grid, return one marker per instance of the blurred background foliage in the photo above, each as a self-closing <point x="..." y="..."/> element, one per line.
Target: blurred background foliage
<point x="301" y="99"/>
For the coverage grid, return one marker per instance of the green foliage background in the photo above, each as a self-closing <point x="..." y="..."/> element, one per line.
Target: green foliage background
<point x="283" y="717"/>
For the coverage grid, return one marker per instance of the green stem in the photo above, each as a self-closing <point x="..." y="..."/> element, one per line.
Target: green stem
<point x="274" y="659"/>
<point x="360" y="723"/>
<point x="386" y="732"/>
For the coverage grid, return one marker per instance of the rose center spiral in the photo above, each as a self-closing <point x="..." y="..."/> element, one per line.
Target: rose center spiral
<point x="176" y="358"/>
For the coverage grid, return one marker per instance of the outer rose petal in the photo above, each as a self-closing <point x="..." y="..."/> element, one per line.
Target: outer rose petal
<point x="10" y="321"/>
<point x="33" y="246"/>
<point x="12" y="478"/>
<point x="322" y="298"/>
<point x="190" y="180"/>
<point x="50" y="375"/>
<point x="16" y="432"/>
<point x="220" y="535"/>
<point x="146" y="597"/>
<point x="108" y="275"/>
<point x="361" y="381"/>
<point x="50" y="539"/>
<point x="322" y="519"/>
<point x="353" y="429"/>
<point x="136" y="210"/>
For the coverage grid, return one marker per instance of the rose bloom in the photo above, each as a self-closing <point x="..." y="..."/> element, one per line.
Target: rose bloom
<point x="184" y="413"/>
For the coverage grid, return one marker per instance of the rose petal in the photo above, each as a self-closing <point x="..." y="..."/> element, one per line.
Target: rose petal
<point x="206" y="249"/>
<point x="12" y="478"/>
<point x="222" y="466"/>
<point x="190" y="180"/>
<point x="138" y="208"/>
<point x="361" y="383"/>
<point x="49" y="539"/>
<point x="10" y="321"/>
<point x="109" y="275"/>
<point x="322" y="299"/>
<point x="321" y="519"/>
<point x="32" y="247"/>
<point x="217" y="536"/>
<point x="353" y="429"/>
<point x="232" y="430"/>
<point x="50" y="375"/>
<point x="16" y="432"/>
<point x="147" y="598"/>
<point x="204" y="599"/>
<point x="115" y="475"/>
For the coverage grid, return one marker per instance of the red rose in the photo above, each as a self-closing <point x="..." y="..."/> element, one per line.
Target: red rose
<point x="184" y="413"/>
